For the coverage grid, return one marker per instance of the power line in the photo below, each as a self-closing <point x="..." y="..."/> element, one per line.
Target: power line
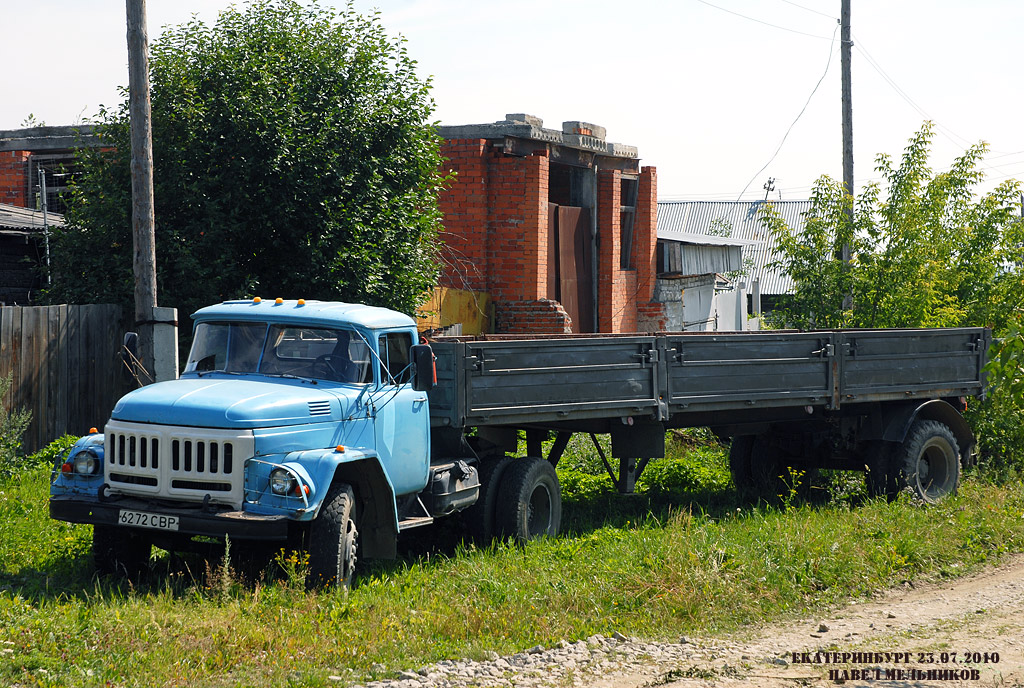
<point x="789" y="2"/>
<point x="831" y="49"/>
<point x="944" y="130"/>
<point x="774" y="26"/>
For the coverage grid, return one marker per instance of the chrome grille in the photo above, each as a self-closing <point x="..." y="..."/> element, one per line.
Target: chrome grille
<point x="176" y="462"/>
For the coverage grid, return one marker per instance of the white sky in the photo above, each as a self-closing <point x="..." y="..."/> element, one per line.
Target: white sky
<point x="706" y="95"/>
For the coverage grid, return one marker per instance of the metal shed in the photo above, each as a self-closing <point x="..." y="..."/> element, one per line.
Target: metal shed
<point x="742" y="221"/>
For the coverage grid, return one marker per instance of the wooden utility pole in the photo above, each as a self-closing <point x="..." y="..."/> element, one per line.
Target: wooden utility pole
<point x="144" y="241"/>
<point x="846" y="44"/>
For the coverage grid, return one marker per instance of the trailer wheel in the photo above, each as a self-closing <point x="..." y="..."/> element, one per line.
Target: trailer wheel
<point x="480" y="518"/>
<point x="333" y="540"/>
<point x="529" y="500"/>
<point x="739" y="463"/>
<point x="119" y="551"/>
<point x="928" y="461"/>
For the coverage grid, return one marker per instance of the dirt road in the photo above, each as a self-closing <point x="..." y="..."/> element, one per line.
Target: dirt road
<point x="967" y="632"/>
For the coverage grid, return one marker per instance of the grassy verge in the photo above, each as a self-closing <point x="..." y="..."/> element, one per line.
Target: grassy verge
<point x="681" y="558"/>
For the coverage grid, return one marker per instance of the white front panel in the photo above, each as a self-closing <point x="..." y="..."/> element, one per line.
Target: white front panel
<point x="173" y="462"/>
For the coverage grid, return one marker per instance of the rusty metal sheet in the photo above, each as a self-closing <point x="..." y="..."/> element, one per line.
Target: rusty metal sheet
<point x="574" y="266"/>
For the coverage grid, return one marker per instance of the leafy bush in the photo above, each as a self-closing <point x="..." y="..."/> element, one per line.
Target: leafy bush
<point x="12" y="428"/>
<point x="999" y="419"/>
<point x="48" y="455"/>
<point x="678" y="477"/>
<point x="578" y="486"/>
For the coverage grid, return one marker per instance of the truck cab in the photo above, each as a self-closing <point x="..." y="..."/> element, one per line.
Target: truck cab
<point x="285" y="410"/>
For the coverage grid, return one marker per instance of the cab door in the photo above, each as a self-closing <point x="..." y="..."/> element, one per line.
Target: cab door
<point x="402" y="419"/>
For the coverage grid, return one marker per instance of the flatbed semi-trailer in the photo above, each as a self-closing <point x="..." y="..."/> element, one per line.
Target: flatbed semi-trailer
<point x="326" y="426"/>
<point x="826" y="399"/>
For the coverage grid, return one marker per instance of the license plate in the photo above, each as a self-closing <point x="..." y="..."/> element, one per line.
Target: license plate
<point x="141" y="519"/>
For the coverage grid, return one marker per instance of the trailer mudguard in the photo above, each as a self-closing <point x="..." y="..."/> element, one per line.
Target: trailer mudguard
<point x="899" y="419"/>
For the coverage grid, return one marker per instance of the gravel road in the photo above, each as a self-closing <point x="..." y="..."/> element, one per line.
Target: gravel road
<point x="966" y="632"/>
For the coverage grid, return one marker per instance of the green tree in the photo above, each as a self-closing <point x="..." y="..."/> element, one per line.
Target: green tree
<point x="293" y="157"/>
<point x="927" y="251"/>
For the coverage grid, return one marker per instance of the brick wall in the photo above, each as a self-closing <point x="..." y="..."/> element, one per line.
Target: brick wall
<point x="517" y="224"/>
<point x="13" y="182"/>
<point x="532" y="317"/>
<point x="611" y="287"/>
<point x="464" y="205"/>
<point x="496" y="236"/>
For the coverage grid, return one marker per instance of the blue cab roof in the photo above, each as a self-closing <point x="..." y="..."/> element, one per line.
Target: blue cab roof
<point x="327" y="313"/>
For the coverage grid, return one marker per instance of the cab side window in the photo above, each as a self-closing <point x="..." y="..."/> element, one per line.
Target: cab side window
<point x="394" y="356"/>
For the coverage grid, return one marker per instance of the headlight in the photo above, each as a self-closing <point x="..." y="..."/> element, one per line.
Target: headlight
<point x="86" y="462"/>
<point x="282" y="482"/>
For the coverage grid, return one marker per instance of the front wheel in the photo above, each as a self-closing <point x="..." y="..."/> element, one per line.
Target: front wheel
<point x="333" y="540"/>
<point x="529" y="500"/>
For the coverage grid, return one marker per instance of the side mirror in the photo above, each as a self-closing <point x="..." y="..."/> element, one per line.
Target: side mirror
<point x="424" y="369"/>
<point x="130" y="355"/>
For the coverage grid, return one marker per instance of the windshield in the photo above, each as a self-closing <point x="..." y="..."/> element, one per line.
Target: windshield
<point x="324" y="353"/>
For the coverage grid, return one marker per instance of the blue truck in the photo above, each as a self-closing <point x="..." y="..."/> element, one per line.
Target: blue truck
<point x="332" y="427"/>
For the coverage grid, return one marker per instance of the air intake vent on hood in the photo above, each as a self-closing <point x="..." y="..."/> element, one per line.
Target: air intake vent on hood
<point x="319" y="408"/>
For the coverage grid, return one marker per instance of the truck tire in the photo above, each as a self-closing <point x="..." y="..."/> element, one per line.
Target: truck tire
<point x="334" y="540"/>
<point x="739" y="463"/>
<point x="480" y="519"/>
<point x="119" y="551"/>
<point x="928" y="461"/>
<point x="529" y="500"/>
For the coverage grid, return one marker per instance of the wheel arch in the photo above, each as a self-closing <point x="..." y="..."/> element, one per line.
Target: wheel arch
<point x="376" y="507"/>
<point x="375" y="502"/>
<point x="898" y="422"/>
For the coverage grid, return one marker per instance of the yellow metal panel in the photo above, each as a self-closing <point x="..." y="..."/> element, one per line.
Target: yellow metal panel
<point x="447" y="307"/>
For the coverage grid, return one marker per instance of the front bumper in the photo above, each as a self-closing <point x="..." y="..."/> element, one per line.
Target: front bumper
<point x="192" y="519"/>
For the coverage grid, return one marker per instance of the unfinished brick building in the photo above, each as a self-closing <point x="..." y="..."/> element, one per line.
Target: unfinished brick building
<point x="558" y="227"/>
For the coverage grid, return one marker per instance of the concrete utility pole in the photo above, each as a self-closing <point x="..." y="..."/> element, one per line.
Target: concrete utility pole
<point x="144" y="241"/>
<point x="846" y="44"/>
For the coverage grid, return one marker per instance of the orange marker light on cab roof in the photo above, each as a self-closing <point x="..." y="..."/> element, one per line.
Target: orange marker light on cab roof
<point x="279" y="300"/>
<point x="93" y="431"/>
<point x="340" y="448"/>
<point x="257" y="300"/>
<point x="302" y="302"/>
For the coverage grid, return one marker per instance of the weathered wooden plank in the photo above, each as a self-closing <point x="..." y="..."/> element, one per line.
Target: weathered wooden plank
<point x="108" y="358"/>
<point x="74" y="379"/>
<point x="6" y="328"/>
<point x="13" y="394"/>
<point x="31" y="390"/>
<point x="54" y="382"/>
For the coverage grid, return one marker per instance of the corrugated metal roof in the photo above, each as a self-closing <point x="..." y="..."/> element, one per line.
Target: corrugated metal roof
<point x="23" y="219"/>
<point x="702" y="239"/>
<point x="711" y="218"/>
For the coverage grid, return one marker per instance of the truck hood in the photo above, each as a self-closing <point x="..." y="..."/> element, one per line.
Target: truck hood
<point x="216" y="402"/>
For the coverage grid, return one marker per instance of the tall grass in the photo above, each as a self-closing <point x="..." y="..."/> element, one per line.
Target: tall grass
<point x="683" y="557"/>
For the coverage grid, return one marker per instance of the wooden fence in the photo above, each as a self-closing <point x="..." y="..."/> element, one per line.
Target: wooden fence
<point x="65" y="367"/>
